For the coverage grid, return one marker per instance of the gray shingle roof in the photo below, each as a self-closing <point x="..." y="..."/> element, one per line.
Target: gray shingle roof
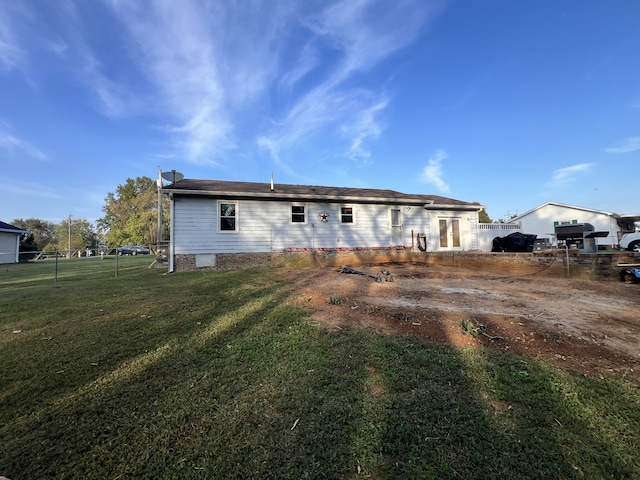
<point x="7" y="227"/>
<point x="227" y="189"/>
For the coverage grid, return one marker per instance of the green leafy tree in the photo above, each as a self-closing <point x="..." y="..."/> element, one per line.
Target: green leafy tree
<point x="28" y="248"/>
<point x="483" y="216"/>
<point x="43" y="231"/>
<point x="131" y="214"/>
<point x="83" y="235"/>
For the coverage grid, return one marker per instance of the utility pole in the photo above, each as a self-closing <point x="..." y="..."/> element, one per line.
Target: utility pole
<point x="69" y="249"/>
<point x="510" y="214"/>
<point x="159" y="183"/>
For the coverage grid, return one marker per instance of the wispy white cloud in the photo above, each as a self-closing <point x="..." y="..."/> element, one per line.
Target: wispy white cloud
<point x="12" y="54"/>
<point x="352" y="114"/>
<point x="567" y="175"/>
<point x="219" y="74"/>
<point x="18" y="148"/>
<point x="207" y="63"/>
<point x="433" y="174"/>
<point x="307" y="59"/>
<point x="274" y="151"/>
<point x="348" y="38"/>
<point x="26" y="32"/>
<point x="365" y="32"/>
<point x="30" y="189"/>
<point x="631" y="144"/>
<point x="365" y="126"/>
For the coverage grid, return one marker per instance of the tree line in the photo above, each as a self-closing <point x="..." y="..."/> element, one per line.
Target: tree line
<point x="130" y="218"/>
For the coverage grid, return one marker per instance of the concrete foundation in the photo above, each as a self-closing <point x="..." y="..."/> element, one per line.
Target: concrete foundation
<point x="556" y="263"/>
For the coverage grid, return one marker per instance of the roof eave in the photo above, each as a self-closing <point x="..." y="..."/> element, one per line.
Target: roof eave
<point x="274" y="195"/>
<point x="557" y="204"/>
<point x="448" y="206"/>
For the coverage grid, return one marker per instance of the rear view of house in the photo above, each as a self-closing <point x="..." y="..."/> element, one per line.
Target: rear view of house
<point x="213" y="220"/>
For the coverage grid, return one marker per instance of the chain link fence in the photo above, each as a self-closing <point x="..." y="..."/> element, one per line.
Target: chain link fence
<point x="78" y="262"/>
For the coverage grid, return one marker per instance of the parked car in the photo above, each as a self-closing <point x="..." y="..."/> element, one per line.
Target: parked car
<point x="133" y="250"/>
<point x="631" y="242"/>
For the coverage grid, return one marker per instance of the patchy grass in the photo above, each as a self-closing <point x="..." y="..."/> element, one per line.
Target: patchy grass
<point x="335" y="300"/>
<point x="219" y="375"/>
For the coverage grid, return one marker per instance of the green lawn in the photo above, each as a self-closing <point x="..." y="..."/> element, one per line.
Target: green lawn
<point x="219" y="375"/>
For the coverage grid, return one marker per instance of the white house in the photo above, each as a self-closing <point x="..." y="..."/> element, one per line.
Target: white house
<point x="10" y="243"/>
<point x="543" y="219"/>
<point x="211" y="217"/>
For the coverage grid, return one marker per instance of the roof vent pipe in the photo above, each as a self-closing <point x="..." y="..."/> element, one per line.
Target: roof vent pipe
<point x="272" y="182"/>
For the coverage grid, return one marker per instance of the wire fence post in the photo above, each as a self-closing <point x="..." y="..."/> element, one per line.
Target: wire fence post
<point x="117" y="262"/>
<point x="56" y="276"/>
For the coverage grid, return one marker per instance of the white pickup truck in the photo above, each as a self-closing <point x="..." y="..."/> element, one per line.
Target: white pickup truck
<point x="630" y="241"/>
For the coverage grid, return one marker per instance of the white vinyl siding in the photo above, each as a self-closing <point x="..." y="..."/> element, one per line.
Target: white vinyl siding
<point x="541" y="221"/>
<point x="9" y="243"/>
<point x="265" y="226"/>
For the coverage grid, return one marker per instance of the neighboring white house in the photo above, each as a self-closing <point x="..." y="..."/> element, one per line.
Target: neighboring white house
<point x="210" y="217"/>
<point x="10" y="243"/>
<point x="543" y="219"/>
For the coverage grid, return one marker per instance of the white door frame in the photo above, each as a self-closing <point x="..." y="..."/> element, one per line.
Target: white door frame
<point x="395" y="226"/>
<point x="449" y="233"/>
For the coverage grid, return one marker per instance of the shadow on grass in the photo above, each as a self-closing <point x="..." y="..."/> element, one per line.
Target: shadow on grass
<point x="219" y="376"/>
<point x="482" y="414"/>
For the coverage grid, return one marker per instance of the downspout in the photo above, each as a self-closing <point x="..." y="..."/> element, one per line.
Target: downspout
<point x="17" y="259"/>
<point x="613" y="232"/>
<point x="477" y="227"/>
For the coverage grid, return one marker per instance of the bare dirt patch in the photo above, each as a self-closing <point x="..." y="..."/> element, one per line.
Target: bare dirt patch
<point x="590" y="326"/>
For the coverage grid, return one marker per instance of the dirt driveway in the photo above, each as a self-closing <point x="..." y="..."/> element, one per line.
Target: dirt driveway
<point x="590" y="326"/>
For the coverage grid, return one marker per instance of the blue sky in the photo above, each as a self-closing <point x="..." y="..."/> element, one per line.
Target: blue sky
<point x="503" y="102"/>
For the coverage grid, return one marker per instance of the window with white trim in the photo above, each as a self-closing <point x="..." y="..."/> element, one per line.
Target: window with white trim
<point x="228" y="216"/>
<point x="347" y="214"/>
<point x="298" y="213"/>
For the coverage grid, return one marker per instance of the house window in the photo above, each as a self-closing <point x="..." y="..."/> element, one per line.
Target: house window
<point x="228" y="216"/>
<point x="298" y="213"/>
<point x="347" y="215"/>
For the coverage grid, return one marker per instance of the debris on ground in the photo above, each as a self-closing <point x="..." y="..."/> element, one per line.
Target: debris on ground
<point x="380" y="277"/>
<point x="400" y="316"/>
<point x="630" y="274"/>
<point x="554" y="320"/>
<point x="475" y="328"/>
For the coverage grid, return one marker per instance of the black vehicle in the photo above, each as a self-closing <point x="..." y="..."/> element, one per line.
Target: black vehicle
<point x="515" y="242"/>
<point x="133" y="250"/>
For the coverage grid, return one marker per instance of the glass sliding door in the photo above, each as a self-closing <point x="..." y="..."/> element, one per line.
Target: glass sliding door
<point x="450" y="237"/>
